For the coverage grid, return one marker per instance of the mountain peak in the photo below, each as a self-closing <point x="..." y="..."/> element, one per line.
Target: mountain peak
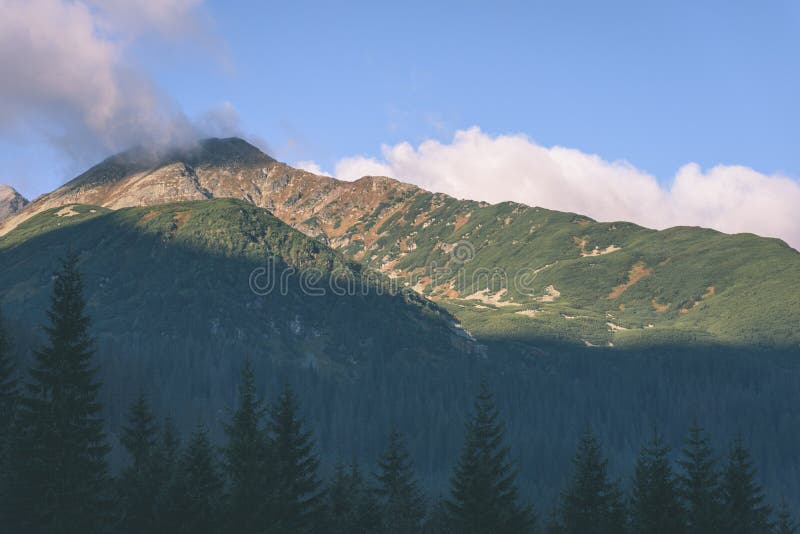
<point x="7" y="191"/>
<point x="10" y="201"/>
<point x="210" y="151"/>
<point x="221" y="151"/>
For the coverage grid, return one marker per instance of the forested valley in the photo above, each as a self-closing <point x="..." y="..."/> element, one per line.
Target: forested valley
<point x="265" y="474"/>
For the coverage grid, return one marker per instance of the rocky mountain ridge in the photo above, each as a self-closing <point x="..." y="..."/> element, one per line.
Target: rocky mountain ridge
<point x="507" y="270"/>
<point x="219" y="168"/>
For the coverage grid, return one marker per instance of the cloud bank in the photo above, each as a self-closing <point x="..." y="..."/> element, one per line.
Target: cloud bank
<point x="479" y="166"/>
<point x="69" y="78"/>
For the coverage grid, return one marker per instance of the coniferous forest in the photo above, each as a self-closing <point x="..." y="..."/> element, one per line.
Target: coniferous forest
<point x="265" y="476"/>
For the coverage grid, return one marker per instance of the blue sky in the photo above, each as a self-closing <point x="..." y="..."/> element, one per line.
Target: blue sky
<point x="656" y="84"/>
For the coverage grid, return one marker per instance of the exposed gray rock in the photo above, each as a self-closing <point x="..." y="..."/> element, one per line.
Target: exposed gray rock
<point x="10" y="201"/>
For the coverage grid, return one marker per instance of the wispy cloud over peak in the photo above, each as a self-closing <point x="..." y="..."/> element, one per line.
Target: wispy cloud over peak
<point x="68" y="76"/>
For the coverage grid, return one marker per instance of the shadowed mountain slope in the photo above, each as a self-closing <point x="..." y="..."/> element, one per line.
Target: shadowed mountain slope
<point x="161" y="273"/>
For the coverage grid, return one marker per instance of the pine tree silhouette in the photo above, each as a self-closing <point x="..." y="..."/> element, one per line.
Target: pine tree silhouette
<point x="402" y="503"/>
<point x="484" y="493"/>
<point x="553" y="525"/>
<point x="438" y="521"/>
<point x="655" y="505"/>
<point x="785" y="523"/>
<point x="166" y="459"/>
<point x="591" y="504"/>
<point x="9" y="393"/>
<point x="170" y="443"/>
<point x="699" y="484"/>
<point x="340" y="503"/>
<point x="350" y="506"/>
<point x="294" y="495"/>
<point x="247" y="460"/>
<point x="9" y="398"/>
<point x="200" y="486"/>
<point x="60" y="473"/>
<point x="139" y="483"/>
<point x="743" y="500"/>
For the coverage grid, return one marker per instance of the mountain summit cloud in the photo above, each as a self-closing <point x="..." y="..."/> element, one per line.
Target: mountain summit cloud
<point x="69" y="76"/>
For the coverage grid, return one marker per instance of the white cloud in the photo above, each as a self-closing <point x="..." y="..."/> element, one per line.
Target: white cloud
<point x="358" y="166"/>
<point x="68" y="77"/>
<point x="51" y="55"/>
<point x="166" y="17"/>
<point x="513" y="167"/>
<point x="220" y="121"/>
<point x="311" y="166"/>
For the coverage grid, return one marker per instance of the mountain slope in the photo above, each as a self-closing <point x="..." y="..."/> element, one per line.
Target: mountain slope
<point x="174" y="314"/>
<point x="509" y="271"/>
<point x="156" y="274"/>
<point x="11" y="202"/>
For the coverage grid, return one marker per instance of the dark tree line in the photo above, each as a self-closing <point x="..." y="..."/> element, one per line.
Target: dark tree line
<point x="55" y="474"/>
<point x="266" y="476"/>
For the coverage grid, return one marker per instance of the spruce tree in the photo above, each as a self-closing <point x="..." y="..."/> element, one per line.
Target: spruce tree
<point x="484" y="495"/>
<point x="700" y="485"/>
<point x="438" y="521"/>
<point x="743" y="500"/>
<point x="170" y="443"/>
<point x="60" y="454"/>
<point x="199" y="488"/>
<point x="247" y="460"/>
<point x="9" y="394"/>
<point x="785" y="524"/>
<point x="655" y="503"/>
<point x="401" y="501"/>
<point x="340" y="506"/>
<point x="350" y="507"/>
<point x="294" y="486"/>
<point x="554" y="525"/>
<point x="9" y="397"/>
<point x="591" y="504"/>
<point x="139" y="483"/>
<point x="368" y="513"/>
<point x="166" y="459"/>
<point x="140" y="434"/>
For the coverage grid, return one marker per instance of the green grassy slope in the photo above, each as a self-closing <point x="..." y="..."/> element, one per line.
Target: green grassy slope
<point x="555" y="274"/>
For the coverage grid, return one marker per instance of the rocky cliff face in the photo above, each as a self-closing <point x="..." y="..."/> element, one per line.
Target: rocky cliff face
<point x="11" y="202"/>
